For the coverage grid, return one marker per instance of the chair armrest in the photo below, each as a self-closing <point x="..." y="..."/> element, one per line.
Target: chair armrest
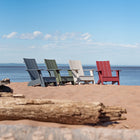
<point x="34" y="69"/>
<point x="76" y="70"/>
<point x="65" y="70"/>
<point x="98" y="71"/>
<point x="116" y="70"/>
<point x="58" y="70"/>
<point x="51" y="69"/>
<point x="88" y="69"/>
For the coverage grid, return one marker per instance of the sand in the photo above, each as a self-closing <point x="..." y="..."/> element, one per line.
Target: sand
<point x="113" y="95"/>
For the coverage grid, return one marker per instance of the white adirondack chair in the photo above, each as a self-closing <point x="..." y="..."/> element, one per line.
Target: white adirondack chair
<point x="78" y="72"/>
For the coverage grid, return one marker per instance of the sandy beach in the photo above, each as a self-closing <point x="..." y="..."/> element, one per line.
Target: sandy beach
<point x="112" y="95"/>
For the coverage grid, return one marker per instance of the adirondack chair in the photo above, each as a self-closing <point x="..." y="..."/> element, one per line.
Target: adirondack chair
<point x="54" y="71"/>
<point x="105" y="73"/>
<point x="78" y="72"/>
<point x="36" y="75"/>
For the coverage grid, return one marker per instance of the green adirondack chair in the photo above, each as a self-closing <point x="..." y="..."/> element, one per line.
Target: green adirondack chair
<point x="54" y="71"/>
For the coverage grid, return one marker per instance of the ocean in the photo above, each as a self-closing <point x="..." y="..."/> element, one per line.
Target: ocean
<point x="129" y="75"/>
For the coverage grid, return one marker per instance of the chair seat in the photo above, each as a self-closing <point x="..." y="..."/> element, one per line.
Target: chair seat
<point x="86" y="78"/>
<point x="66" y="78"/>
<point x="49" y="79"/>
<point x="110" y="78"/>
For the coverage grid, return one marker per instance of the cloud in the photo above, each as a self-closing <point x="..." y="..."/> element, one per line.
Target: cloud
<point x="57" y="36"/>
<point x="11" y="35"/>
<point x="50" y="45"/>
<point x="47" y="36"/>
<point x="88" y="45"/>
<point x="32" y="47"/>
<point x="34" y="35"/>
<point x="67" y="39"/>
<point x="37" y="33"/>
<point x="86" y="36"/>
<point x="129" y="45"/>
<point x="31" y="36"/>
<point x="115" y="44"/>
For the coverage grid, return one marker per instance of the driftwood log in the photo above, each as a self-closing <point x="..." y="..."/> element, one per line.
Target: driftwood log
<point x="67" y="112"/>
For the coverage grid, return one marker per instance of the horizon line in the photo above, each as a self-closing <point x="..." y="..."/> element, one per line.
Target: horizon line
<point x="68" y="64"/>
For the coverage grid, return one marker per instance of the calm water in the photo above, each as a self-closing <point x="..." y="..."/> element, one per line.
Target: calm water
<point x="16" y="73"/>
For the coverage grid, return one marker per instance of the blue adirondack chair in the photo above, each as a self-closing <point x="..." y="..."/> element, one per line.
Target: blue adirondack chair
<point x="36" y="75"/>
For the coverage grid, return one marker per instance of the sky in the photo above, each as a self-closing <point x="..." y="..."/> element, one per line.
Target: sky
<point x="85" y="30"/>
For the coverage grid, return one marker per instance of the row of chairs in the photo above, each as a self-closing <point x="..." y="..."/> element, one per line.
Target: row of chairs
<point x="75" y="73"/>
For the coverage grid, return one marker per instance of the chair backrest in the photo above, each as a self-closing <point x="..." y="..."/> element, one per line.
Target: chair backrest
<point x="51" y="64"/>
<point x="104" y="66"/>
<point x="76" y="64"/>
<point x="31" y="64"/>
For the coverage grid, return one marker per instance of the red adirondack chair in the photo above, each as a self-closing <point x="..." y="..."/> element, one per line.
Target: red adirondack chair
<point x="105" y="73"/>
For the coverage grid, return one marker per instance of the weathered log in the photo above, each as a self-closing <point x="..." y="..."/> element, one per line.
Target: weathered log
<point x="58" y="111"/>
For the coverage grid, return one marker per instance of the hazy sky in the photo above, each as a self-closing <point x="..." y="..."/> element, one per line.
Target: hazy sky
<point x="86" y="30"/>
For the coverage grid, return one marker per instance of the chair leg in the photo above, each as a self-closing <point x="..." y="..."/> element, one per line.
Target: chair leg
<point x="99" y="81"/>
<point x="43" y="84"/>
<point x="102" y="82"/>
<point x="61" y="83"/>
<point x="55" y="83"/>
<point x="78" y="81"/>
<point x="118" y="83"/>
<point x="85" y="82"/>
<point x="113" y="82"/>
<point x="93" y="82"/>
<point x="72" y="82"/>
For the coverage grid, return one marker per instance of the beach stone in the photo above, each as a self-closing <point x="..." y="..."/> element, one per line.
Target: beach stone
<point x="7" y="89"/>
<point x="108" y="134"/>
<point x="50" y="137"/>
<point x="129" y="133"/>
<point x="8" y="136"/>
<point x="4" y="81"/>
<point x="38" y="135"/>
<point x="25" y="132"/>
<point x="88" y="134"/>
<point x="137" y="135"/>
<point x="67" y="134"/>
<point x="4" y="88"/>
